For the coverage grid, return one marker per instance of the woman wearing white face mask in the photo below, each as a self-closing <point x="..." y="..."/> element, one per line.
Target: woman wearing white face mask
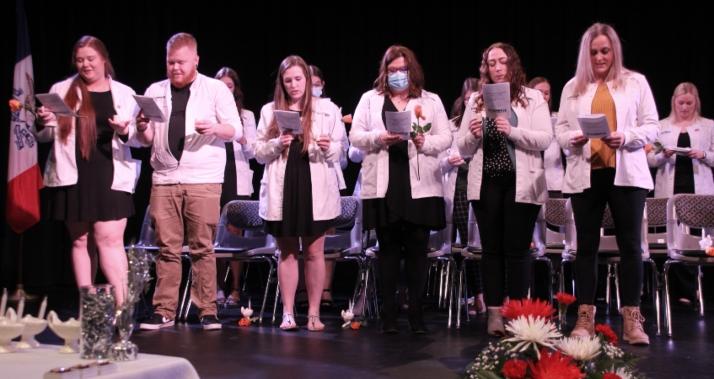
<point x="401" y="179"/>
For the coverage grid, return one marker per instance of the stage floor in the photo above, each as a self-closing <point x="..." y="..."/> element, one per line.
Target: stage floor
<point x="268" y="352"/>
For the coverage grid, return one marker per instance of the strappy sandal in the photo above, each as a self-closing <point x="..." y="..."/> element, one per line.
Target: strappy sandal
<point x="288" y="323"/>
<point x="314" y="324"/>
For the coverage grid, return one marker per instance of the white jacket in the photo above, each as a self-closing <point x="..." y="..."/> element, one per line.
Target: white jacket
<point x="61" y="167"/>
<point x="701" y="136"/>
<point x="367" y="126"/>
<point x="450" y="172"/>
<point x="552" y="163"/>
<point x="203" y="159"/>
<point x="531" y="136"/>
<point x="243" y="154"/>
<point x="636" y="119"/>
<point x="324" y="166"/>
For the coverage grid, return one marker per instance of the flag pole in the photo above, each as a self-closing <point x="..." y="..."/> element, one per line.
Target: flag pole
<point x="19" y="286"/>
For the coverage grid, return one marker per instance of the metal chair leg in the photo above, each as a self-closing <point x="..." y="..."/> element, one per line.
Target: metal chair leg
<point x="667" y="300"/>
<point x="608" y="278"/>
<point x="700" y="295"/>
<point x="616" y="273"/>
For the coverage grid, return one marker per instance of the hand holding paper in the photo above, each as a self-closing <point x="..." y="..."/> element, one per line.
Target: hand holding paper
<point x="150" y="109"/>
<point x="399" y="123"/>
<point x="594" y="125"/>
<point x="497" y="99"/>
<point x="288" y="121"/>
<point x="54" y="103"/>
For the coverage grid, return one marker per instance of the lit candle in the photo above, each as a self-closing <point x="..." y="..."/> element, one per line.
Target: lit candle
<point x="43" y="308"/>
<point x="21" y="308"/>
<point x="3" y="302"/>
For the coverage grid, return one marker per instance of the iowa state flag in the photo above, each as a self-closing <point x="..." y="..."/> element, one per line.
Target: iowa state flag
<point x="23" y="174"/>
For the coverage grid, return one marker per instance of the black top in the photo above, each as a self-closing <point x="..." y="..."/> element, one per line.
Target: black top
<point x="92" y="198"/>
<point x="177" y="121"/>
<point x="496" y="159"/>
<point x="398" y="204"/>
<point x="683" y="169"/>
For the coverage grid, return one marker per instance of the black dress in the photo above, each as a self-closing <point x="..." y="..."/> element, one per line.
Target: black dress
<point x="297" y="199"/>
<point x="229" y="190"/>
<point x="92" y="198"/>
<point x="398" y="204"/>
<point x="683" y="168"/>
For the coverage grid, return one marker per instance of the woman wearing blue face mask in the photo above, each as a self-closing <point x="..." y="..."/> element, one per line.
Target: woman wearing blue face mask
<point x="401" y="183"/>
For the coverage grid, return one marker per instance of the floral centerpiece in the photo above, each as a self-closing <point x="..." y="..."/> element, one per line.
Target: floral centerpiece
<point x="535" y="348"/>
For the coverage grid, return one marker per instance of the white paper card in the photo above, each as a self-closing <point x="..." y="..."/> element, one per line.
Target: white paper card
<point x="288" y="121"/>
<point x="54" y="103"/>
<point x="594" y="125"/>
<point x="150" y="109"/>
<point x="497" y="99"/>
<point x="681" y="150"/>
<point x="399" y="123"/>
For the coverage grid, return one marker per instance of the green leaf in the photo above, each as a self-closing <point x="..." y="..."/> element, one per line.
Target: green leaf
<point x="427" y="127"/>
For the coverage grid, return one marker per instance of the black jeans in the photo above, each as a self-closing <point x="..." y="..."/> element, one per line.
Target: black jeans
<point x="626" y="205"/>
<point x="506" y="229"/>
<point x="402" y="239"/>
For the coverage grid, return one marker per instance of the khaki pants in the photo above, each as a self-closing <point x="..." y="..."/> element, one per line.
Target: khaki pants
<point x="192" y="209"/>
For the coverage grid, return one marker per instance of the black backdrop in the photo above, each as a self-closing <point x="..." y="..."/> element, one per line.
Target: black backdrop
<point x="667" y="44"/>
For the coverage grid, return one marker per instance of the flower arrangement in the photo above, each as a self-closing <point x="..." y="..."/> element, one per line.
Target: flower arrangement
<point x="535" y="348"/>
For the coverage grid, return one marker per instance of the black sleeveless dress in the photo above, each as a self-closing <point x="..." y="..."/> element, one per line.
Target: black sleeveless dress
<point x="92" y="198"/>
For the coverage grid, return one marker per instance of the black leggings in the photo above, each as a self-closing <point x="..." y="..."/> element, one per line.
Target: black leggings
<point x="410" y="241"/>
<point x="626" y="205"/>
<point x="506" y="229"/>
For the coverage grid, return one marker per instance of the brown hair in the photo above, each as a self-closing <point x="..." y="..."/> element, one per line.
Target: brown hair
<point x="281" y="99"/>
<point x="416" y="75"/>
<point x="516" y="76"/>
<point x="457" y="110"/>
<point x="538" y="80"/>
<point x="86" y="125"/>
<point x="237" y="91"/>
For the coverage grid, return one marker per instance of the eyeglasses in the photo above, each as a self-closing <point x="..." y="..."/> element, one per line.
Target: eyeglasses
<point x="394" y="70"/>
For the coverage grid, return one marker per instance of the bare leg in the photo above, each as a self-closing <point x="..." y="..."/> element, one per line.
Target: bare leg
<point x="288" y="277"/>
<point x="314" y="278"/>
<point x="236" y="271"/>
<point x="81" y="262"/>
<point x="109" y="236"/>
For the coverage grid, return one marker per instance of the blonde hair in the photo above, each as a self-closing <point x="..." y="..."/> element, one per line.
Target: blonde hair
<point x="180" y="40"/>
<point x="584" y="74"/>
<point x="683" y="89"/>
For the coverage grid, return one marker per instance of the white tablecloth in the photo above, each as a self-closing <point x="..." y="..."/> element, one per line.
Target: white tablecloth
<point x="34" y="363"/>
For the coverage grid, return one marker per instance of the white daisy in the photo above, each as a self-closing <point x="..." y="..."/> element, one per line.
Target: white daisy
<point x="580" y="349"/>
<point x="531" y="332"/>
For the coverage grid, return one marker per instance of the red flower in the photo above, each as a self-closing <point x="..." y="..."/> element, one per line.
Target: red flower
<point x="606" y="332"/>
<point x="611" y="375"/>
<point x="554" y="366"/>
<point x="514" y="369"/>
<point x="527" y="307"/>
<point x="15" y="105"/>
<point x="418" y="113"/>
<point x="564" y="298"/>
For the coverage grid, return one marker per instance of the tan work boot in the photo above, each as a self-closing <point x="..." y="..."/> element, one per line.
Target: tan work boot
<point x="495" y="322"/>
<point x="585" y="326"/>
<point x="632" y="330"/>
